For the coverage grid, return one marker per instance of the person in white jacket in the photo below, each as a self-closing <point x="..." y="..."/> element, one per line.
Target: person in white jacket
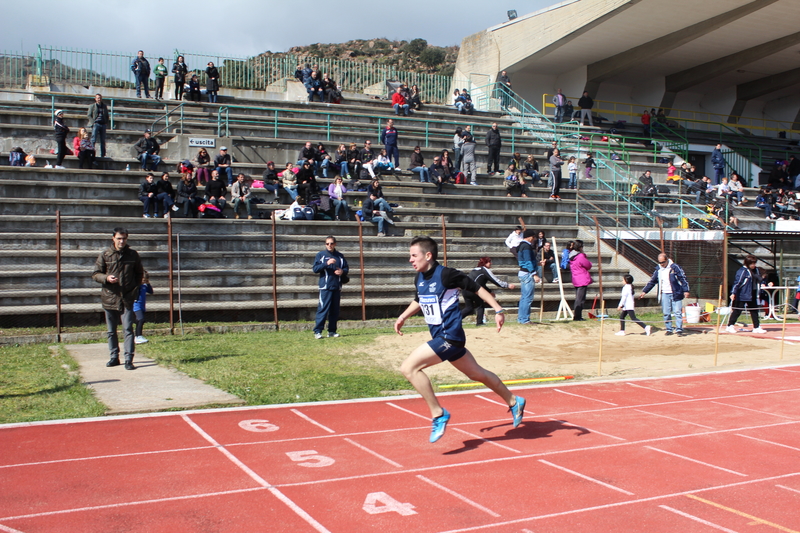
<point x="513" y="240"/>
<point x="626" y="306"/>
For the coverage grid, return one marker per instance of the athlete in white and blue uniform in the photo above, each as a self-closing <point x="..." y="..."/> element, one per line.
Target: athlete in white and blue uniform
<point x="437" y="289"/>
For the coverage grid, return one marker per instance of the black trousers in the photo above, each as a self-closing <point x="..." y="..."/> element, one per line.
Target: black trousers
<point x="494" y="159"/>
<point x="631" y="314"/>
<point x="159" y="88"/>
<point x="556" y="183"/>
<point x="472" y="303"/>
<point x="740" y="305"/>
<point x="580" y="300"/>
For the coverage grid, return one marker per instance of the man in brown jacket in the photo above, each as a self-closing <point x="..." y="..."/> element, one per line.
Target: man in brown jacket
<point x="120" y="271"/>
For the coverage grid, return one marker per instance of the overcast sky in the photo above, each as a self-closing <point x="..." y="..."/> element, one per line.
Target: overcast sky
<point x="245" y="27"/>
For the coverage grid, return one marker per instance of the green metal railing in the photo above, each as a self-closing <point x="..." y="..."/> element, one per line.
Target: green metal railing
<point x="112" y="69"/>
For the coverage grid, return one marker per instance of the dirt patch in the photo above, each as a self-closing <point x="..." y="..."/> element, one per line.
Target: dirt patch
<point x="573" y="349"/>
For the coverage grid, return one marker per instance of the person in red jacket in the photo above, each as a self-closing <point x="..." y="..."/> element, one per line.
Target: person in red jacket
<point x="399" y="103"/>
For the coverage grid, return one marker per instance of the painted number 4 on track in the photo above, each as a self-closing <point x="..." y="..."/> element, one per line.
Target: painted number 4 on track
<point x="380" y="502"/>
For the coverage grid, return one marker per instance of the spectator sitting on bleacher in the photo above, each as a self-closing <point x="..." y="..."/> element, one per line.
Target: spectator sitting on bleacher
<point x="438" y="174"/>
<point x="353" y="164"/>
<point x="289" y="180"/>
<point x="382" y="162"/>
<point x="216" y="191"/>
<point x="186" y="197"/>
<point x="737" y="190"/>
<point x="147" y="149"/>
<point x="298" y="73"/>
<point x="340" y="161"/>
<point x="418" y="165"/>
<point x="165" y="195"/>
<point x="148" y="193"/>
<point x="202" y="162"/>
<point x="376" y="211"/>
<point x="194" y="89"/>
<point x="530" y="169"/>
<point x="569" y="111"/>
<point x="415" y="101"/>
<point x="306" y="181"/>
<point x="330" y="90"/>
<point x="223" y="162"/>
<point x="240" y="195"/>
<point x="546" y="259"/>
<point x="307" y="153"/>
<point x="399" y="103"/>
<point x="765" y="200"/>
<point x="86" y="153"/>
<point x="322" y="161"/>
<point x="16" y="158"/>
<point x="336" y="191"/>
<point x="514" y="182"/>
<point x="271" y="181"/>
<point x="464" y="103"/>
<point x="785" y="205"/>
<point x="366" y="156"/>
<point x="723" y="189"/>
<point x="76" y="142"/>
<point x="314" y="88"/>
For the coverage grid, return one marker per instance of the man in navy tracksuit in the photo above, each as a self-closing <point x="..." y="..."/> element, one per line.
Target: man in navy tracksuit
<point x="331" y="266"/>
<point x="389" y="140"/>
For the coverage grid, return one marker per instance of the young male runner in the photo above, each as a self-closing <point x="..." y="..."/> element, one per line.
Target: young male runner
<point x="437" y="297"/>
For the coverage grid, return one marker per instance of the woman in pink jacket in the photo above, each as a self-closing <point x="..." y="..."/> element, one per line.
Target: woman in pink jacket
<point x="579" y="265"/>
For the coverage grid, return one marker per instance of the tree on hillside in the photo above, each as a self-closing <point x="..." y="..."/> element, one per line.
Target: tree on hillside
<point x="416" y="47"/>
<point x="432" y="56"/>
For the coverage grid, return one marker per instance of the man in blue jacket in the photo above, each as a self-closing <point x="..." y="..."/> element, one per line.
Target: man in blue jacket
<point x="718" y="161"/>
<point x="331" y="266"/>
<point x="673" y="288"/>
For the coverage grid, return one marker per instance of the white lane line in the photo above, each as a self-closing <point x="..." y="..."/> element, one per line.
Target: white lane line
<point x="659" y="390"/>
<point x="306" y="417"/>
<point x="464" y="499"/>
<point x="697" y="519"/>
<point x="495" y="525"/>
<point x="788" y="488"/>
<point x="113" y="456"/>
<point x="484" y="398"/>
<point x="8" y="529"/>
<point x="408" y="411"/>
<point x="696" y="461"/>
<point x="785" y="370"/>
<point x="486" y="440"/>
<point x="142" y="502"/>
<point x="587" y="478"/>
<point x="585" y="397"/>
<point x="533" y="455"/>
<point x="568" y="424"/>
<point x="755" y="410"/>
<point x="258" y="479"/>
<point x="768" y="442"/>
<point x="371" y="452"/>
<point x="673" y="419"/>
<point x="235" y="460"/>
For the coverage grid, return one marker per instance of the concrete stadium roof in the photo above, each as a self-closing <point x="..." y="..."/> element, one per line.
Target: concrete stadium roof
<point x="737" y="51"/>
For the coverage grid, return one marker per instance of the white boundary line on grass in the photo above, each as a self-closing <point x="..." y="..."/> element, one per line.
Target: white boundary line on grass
<point x="383" y="399"/>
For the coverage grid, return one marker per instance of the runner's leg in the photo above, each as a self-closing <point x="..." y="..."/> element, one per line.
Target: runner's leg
<point x="470" y="368"/>
<point x="412" y="368"/>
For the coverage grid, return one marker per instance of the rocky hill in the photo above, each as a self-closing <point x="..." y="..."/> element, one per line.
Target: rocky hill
<point x="413" y="56"/>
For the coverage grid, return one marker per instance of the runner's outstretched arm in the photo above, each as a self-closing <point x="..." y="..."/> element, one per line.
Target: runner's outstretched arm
<point x="486" y="296"/>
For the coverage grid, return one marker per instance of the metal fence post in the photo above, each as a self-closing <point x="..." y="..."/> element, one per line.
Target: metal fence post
<point x="171" y="278"/>
<point x="58" y="276"/>
<point x="444" y="240"/>
<point x="275" y="273"/>
<point x="361" y="266"/>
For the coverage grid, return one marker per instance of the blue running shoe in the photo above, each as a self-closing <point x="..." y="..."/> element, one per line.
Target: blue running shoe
<point x="439" y="425"/>
<point x="517" y="410"/>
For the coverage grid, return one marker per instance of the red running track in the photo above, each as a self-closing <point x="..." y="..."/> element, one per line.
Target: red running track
<point x="700" y="453"/>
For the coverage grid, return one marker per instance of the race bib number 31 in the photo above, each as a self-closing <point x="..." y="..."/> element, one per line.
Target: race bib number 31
<point x="431" y="308"/>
